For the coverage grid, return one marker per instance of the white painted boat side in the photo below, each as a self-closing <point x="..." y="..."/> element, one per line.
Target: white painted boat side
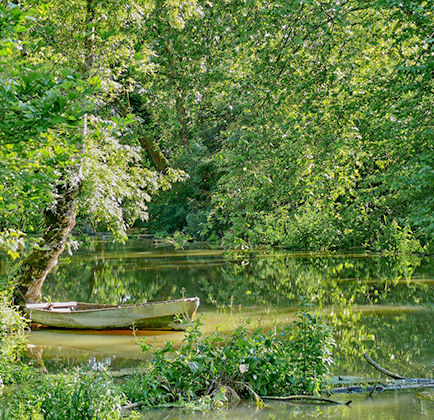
<point x="153" y="315"/>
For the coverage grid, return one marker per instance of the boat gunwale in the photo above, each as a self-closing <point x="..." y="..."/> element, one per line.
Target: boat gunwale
<point x="195" y="300"/>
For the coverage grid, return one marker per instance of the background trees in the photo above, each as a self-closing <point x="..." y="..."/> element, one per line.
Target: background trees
<point x="310" y="122"/>
<point x="302" y="123"/>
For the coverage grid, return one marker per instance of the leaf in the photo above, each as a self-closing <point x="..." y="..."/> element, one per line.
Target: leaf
<point x="194" y="366"/>
<point x="244" y="368"/>
<point x="13" y="254"/>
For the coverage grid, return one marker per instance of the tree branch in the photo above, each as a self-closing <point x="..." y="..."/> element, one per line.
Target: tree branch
<point x="308" y="398"/>
<point x="381" y="369"/>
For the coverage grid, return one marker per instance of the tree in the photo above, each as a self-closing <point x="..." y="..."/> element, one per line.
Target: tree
<point x="93" y="164"/>
<point x="38" y="132"/>
<point x="327" y="126"/>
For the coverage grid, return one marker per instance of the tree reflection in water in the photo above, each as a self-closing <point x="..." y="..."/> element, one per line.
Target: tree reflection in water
<point x="380" y="304"/>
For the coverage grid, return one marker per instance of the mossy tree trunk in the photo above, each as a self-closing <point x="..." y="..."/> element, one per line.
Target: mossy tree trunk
<point x="160" y="161"/>
<point x="36" y="266"/>
<point x="60" y="219"/>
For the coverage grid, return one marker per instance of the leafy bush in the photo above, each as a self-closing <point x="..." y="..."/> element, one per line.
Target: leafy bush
<point x="83" y="395"/>
<point x="211" y="369"/>
<point x="12" y="341"/>
<point x="309" y="228"/>
<point x="393" y="238"/>
<point x="78" y="395"/>
<point x="20" y="404"/>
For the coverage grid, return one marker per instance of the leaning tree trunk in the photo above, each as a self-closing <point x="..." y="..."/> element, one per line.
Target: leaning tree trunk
<point x="35" y="267"/>
<point x="60" y="219"/>
<point x="160" y="161"/>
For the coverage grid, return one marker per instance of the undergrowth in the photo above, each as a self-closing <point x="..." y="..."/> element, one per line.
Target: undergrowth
<point x="73" y="395"/>
<point x="210" y="371"/>
<point x="12" y="341"/>
<point x="205" y="372"/>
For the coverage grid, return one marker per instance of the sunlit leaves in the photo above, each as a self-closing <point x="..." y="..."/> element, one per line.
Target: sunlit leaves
<point x="117" y="187"/>
<point x="43" y="126"/>
<point x="42" y="108"/>
<point x="296" y="119"/>
<point x="338" y="133"/>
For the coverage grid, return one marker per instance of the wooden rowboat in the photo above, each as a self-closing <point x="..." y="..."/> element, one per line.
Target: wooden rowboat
<point x="165" y="315"/>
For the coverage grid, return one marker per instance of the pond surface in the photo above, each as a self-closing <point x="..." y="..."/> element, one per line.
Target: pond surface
<point x="393" y="406"/>
<point x="382" y="305"/>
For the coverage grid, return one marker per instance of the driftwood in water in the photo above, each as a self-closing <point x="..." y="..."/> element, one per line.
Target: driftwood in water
<point x="308" y="398"/>
<point x="393" y="386"/>
<point x="400" y="382"/>
<point x="302" y="398"/>
<point x="380" y="368"/>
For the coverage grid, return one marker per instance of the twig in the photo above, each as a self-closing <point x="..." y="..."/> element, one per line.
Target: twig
<point x="258" y="398"/>
<point x="131" y="406"/>
<point x="381" y="369"/>
<point x="308" y="398"/>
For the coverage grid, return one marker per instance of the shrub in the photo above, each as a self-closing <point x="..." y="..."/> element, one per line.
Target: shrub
<point x="207" y="369"/>
<point x="78" y="395"/>
<point x="396" y="239"/>
<point x="82" y="395"/>
<point x="12" y="341"/>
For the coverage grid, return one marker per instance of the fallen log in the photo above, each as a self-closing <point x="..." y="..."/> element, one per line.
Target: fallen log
<point x="400" y="382"/>
<point x="308" y="398"/>
<point x="381" y="387"/>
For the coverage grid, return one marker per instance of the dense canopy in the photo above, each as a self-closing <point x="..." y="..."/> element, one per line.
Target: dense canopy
<point x="298" y="123"/>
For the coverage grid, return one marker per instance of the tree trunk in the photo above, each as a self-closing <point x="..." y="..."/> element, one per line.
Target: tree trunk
<point x="36" y="266"/>
<point x="160" y="161"/>
<point x="60" y="220"/>
<point x="181" y="113"/>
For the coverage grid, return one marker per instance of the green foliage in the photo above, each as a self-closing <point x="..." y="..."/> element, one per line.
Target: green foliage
<point x="78" y="394"/>
<point x="117" y="186"/>
<point x="283" y="361"/>
<point x="186" y="207"/>
<point x="65" y="124"/>
<point x="394" y="238"/>
<point x="12" y="342"/>
<point x="42" y="108"/>
<point x="312" y="137"/>
<point x="12" y="242"/>
<point x="82" y="395"/>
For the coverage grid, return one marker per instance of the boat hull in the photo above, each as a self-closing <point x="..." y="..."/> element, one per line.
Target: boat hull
<point x="166" y="315"/>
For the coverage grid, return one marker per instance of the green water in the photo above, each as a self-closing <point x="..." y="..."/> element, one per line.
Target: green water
<point x="382" y="305"/>
<point x="393" y="406"/>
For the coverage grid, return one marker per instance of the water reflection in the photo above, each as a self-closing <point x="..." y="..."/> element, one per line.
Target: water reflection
<point x="391" y="406"/>
<point x="384" y="305"/>
<point x="138" y="272"/>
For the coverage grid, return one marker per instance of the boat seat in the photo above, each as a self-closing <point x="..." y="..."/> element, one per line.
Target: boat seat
<point x="54" y="306"/>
